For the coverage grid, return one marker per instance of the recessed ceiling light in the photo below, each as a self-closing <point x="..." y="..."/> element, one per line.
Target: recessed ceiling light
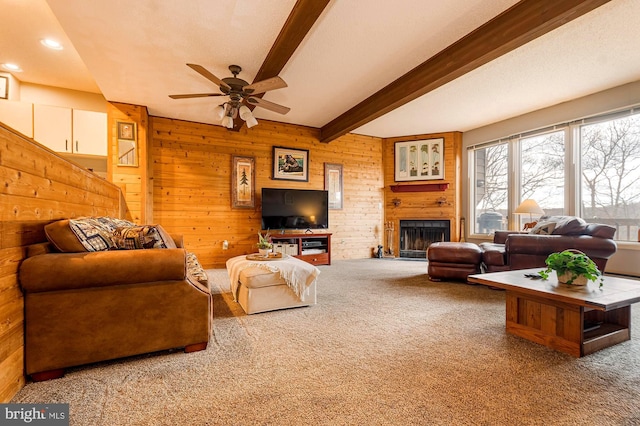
<point x="51" y="44"/>
<point x="12" y="67"/>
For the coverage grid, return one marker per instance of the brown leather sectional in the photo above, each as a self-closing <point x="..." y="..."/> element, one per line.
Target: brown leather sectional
<point x="522" y="250"/>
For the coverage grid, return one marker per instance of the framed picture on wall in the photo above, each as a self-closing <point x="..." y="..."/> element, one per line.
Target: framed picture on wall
<point x="126" y="130"/>
<point x="333" y="184"/>
<point x="243" y="184"/>
<point x="4" y="87"/>
<point x="419" y="160"/>
<point x="290" y="164"/>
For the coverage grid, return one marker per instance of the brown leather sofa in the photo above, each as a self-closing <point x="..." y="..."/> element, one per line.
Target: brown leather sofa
<point x="517" y="250"/>
<point x="85" y="307"/>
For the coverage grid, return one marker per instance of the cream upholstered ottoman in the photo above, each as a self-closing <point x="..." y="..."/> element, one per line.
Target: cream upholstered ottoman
<point x="271" y="285"/>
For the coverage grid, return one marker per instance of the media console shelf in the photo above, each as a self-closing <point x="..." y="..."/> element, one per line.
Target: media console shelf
<point x="312" y="248"/>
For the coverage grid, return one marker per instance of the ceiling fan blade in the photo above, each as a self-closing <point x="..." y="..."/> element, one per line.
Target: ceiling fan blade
<point x="269" y="105"/>
<point x="264" y="86"/>
<point x="196" y="95"/>
<point x="206" y="74"/>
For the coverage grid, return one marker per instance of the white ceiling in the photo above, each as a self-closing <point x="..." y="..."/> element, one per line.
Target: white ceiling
<point x="135" y="52"/>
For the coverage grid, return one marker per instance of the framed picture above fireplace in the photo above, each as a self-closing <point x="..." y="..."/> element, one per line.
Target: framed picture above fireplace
<point x="419" y="160"/>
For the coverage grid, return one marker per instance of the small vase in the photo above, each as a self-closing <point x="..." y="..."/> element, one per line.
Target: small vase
<point x="579" y="280"/>
<point x="264" y="252"/>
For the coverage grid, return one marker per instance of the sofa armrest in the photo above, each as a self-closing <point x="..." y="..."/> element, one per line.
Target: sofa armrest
<point x="546" y="244"/>
<point x="66" y="271"/>
<point x="500" y="237"/>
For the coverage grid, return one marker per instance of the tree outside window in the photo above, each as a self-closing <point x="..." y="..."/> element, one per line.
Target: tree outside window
<point x="611" y="174"/>
<point x="542" y="172"/>
<point x="491" y="188"/>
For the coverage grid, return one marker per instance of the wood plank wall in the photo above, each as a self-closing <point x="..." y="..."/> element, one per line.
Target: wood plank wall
<point x="192" y="185"/>
<point x="133" y="181"/>
<point x="424" y="205"/>
<point x="38" y="187"/>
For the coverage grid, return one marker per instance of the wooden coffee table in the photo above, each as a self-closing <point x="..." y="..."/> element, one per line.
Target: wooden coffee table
<point x="577" y="320"/>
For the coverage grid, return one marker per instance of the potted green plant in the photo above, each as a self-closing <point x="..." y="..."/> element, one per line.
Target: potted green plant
<point x="264" y="243"/>
<point x="572" y="267"/>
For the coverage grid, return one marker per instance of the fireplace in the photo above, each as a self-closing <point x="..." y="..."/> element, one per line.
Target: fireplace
<point x="417" y="235"/>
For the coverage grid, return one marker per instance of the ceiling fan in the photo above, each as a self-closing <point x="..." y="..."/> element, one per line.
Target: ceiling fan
<point x="239" y="92"/>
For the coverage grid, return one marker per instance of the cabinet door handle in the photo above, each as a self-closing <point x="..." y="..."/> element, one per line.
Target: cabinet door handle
<point x="66" y="145"/>
<point x="77" y="146"/>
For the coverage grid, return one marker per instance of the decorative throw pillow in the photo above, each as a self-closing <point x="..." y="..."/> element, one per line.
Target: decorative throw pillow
<point x="92" y="233"/>
<point x="59" y="234"/>
<point x="142" y="237"/>
<point x="600" y="230"/>
<point x="112" y="223"/>
<point x="570" y="225"/>
<point x="544" y="228"/>
<point x="196" y="270"/>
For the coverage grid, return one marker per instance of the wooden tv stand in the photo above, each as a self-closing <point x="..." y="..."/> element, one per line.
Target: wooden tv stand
<point x="312" y="248"/>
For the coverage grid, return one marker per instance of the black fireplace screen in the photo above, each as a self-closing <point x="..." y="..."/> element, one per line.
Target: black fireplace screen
<point x="417" y="235"/>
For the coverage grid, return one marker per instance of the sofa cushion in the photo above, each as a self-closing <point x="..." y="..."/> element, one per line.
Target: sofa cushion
<point x="79" y="235"/>
<point x="493" y="254"/>
<point x="59" y="234"/>
<point x="600" y="230"/>
<point x="195" y="270"/>
<point x="566" y="225"/>
<point x="544" y="228"/>
<point x="84" y="233"/>
<point x="112" y="223"/>
<point x="570" y="225"/>
<point x="142" y="237"/>
<point x="92" y="233"/>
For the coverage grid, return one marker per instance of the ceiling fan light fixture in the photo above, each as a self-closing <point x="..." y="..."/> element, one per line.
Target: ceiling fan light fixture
<point x="251" y="121"/>
<point x="245" y="112"/>
<point x="238" y="91"/>
<point x="218" y="112"/>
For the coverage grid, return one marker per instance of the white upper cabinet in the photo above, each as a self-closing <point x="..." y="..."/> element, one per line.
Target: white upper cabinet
<point x="70" y="130"/>
<point x="89" y="132"/>
<point x="52" y="127"/>
<point x="18" y="116"/>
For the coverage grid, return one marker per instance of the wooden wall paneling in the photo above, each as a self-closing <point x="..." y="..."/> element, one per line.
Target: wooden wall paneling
<point x="39" y="186"/>
<point x="133" y="181"/>
<point x="424" y="205"/>
<point x="192" y="185"/>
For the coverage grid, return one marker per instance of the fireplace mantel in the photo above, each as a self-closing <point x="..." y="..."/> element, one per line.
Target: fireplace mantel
<point x="425" y="187"/>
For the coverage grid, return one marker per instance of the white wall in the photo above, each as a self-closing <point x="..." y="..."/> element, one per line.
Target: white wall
<point x="627" y="258"/>
<point x="48" y="95"/>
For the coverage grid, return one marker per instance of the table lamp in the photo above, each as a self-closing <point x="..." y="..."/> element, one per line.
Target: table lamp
<point x="529" y="206"/>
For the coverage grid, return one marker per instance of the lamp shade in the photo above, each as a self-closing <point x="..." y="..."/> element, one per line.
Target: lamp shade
<point x="529" y="206"/>
<point x="251" y="121"/>
<point x="244" y="112"/>
<point x="218" y="112"/>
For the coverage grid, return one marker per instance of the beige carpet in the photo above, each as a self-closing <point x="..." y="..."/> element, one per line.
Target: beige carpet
<point x="383" y="346"/>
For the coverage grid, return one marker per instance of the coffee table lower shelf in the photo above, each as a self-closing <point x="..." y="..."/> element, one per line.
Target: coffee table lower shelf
<point x="565" y="327"/>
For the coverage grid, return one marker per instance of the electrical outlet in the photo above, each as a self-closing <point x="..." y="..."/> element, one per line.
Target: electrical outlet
<point x="225" y="245"/>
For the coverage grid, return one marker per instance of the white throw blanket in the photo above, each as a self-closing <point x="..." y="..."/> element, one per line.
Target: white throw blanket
<point x="298" y="275"/>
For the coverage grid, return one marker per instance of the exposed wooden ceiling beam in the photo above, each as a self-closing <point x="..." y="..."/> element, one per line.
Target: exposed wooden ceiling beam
<point x="302" y="17"/>
<point x="515" y="27"/>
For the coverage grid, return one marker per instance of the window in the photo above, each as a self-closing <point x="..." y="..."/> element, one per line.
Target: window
<point x="602" y="185"/>
<point x="542" y="173"/>
<point x="491" y="188"/>
<point x="611" y="174"/>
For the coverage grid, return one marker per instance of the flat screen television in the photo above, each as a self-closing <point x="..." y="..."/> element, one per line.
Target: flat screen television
<point x="294" y="209"/>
